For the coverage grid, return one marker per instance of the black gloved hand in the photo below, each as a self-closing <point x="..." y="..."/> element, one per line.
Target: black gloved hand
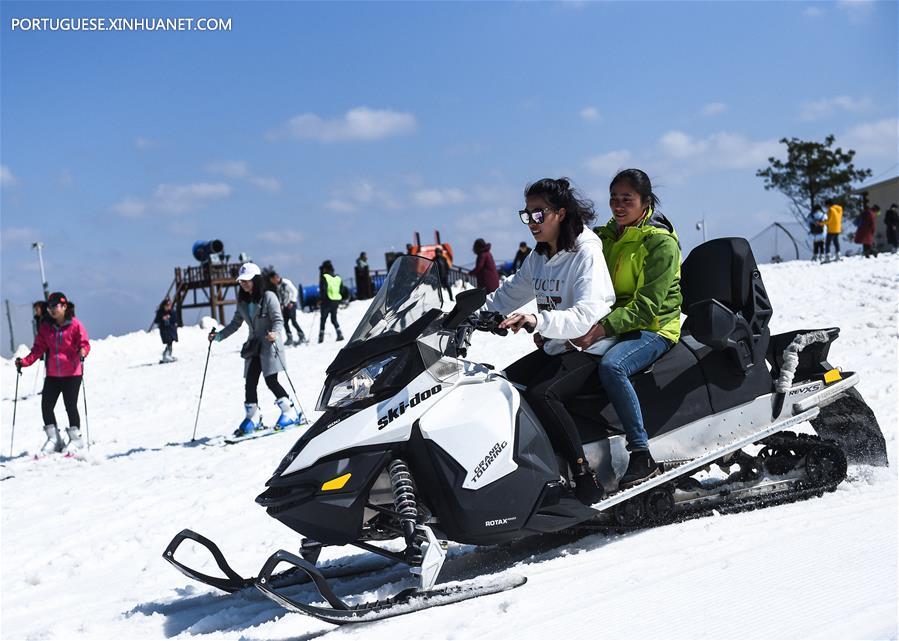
<point x="19" y="365"/>
<point x="212" y="334"/>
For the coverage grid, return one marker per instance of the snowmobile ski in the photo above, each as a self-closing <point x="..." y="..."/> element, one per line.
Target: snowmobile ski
<point x="408" y="600"/>
<point x="234" y="582"/>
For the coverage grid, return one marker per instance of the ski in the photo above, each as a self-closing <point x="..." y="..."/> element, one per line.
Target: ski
<point x="408" y="600"/>
<point x="265" y="431"/>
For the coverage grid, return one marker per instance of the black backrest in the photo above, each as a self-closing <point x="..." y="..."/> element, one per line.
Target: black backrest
<point x="725" y="270"/>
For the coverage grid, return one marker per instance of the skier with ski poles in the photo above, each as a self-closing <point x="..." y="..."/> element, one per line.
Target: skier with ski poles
<point x="65" y="341"/>
<point x="260" y="309"/>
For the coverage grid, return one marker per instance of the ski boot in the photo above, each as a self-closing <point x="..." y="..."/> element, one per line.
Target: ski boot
<point x="76" y="443"/>
<point x="301" y="338"/>
<point x="339" y="335"/>
<point x="289" y="415"/>
<point x="289" y="341"/>
<point x="641" y="467"/>
<point x="54" y="440"/>
<point x="321" y="336"/>
<point x="251" y="423"/>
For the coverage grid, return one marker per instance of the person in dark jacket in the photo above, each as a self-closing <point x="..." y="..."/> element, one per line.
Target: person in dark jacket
<point x="891" y="220"/>
<point x="330" y="295"/>
<point x="520" y="255"/>
<point x="867" y="226"/>
<point x="485" y="268"/>
<point x="168" y="328"/>
<point x="443" y="271"/>
<point x="65" y="342"/>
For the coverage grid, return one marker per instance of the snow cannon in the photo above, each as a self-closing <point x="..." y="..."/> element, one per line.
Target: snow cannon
<point x="207" y="251"/>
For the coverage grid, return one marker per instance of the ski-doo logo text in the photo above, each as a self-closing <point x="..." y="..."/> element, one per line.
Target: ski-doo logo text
<point x="492" y="455"/>
<point x="805" y="389"/>
<point x="394" y="413"/>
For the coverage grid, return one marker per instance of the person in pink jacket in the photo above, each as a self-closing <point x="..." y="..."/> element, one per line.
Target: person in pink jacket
<point x="64" y="340"/>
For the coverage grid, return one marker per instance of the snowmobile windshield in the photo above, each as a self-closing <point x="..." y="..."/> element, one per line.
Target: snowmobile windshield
<point x="412" y="287"/>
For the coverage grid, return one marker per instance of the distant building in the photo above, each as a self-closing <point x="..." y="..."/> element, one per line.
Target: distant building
<point x="883" y="193"/>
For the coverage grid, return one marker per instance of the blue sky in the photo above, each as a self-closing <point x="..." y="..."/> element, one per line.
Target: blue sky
<point x="318" y="130"/>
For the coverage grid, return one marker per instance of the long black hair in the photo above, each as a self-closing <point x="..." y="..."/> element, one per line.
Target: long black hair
<point x="258" y="291"/>
<point x="640" y="183"/>
<point x="559" y="194"/>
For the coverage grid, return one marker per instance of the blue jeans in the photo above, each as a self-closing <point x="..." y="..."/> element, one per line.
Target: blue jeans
<point x="634" y="352"/>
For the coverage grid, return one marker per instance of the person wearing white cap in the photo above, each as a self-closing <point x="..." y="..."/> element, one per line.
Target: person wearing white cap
<point x="261" y="311"/>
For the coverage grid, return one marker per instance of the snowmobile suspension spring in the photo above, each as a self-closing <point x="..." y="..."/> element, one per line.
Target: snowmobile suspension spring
<point x="404" y="496"/>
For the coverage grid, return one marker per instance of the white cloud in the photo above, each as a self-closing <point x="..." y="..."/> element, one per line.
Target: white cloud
<point x="857" y="10"/>
<point x="240" y="170"/>
<point x="608" y="163"/>
<point x="713" y="108"/>
<point x="873" y="139"/>
<point x="721" y="150"/>
<point x="590" y="114"/>
<point x="826" y="106"/>
<point x="6" y="177"/>
<point x="813" y="12"/>
<point x="282" y="237"/>
<point x="438" y="197"/>
<point x="18" y="235"/>
<point x="173" y="199"/>
<point x="267" y="184"/>
<point x="357" y="194"/>
<point x="142" y="144"/>
<point x="130" y="208"/>
<point x="230" y="168"/>
<point x="360" y="123"/>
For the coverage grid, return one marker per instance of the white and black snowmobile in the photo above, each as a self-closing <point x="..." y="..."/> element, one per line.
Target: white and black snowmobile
<point x="417" y="443"/>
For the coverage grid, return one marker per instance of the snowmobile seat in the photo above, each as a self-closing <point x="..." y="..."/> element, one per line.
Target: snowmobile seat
<point x="726" y="305"/>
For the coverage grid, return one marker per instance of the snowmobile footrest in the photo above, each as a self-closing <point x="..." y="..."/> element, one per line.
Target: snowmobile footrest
<point x="408" y="600"/>
<point x="233" y="583"/>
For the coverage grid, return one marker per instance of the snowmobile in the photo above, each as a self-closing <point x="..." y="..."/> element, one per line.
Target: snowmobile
<point x="417" y="445"/>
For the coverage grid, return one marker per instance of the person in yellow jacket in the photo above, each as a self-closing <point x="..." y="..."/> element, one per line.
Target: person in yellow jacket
<point x="329" y="293"/>
<point x="834" y="227"/>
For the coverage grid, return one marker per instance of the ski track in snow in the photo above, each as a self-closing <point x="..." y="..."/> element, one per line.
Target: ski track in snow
<point x="82" y="540"/>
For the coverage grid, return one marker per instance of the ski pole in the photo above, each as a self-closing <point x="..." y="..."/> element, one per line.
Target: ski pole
<point x="87" y="429"/>
<point x="15" y="403"/>
<point x="284" y="367"/>
<point x="205" y="367"/>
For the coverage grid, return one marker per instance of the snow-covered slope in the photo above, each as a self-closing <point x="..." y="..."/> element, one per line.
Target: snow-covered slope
<point x="81" y="540"/>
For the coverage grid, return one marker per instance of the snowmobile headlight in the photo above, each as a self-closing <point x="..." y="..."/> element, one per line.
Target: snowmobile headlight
<point x="358" y="385"/>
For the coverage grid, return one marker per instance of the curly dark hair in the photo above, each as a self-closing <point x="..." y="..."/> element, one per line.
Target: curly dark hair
<point x="559" y="194"/>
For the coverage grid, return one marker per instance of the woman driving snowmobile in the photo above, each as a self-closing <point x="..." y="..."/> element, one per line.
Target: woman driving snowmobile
<point x="567" y="275"/>
<point x="643" y="255"/>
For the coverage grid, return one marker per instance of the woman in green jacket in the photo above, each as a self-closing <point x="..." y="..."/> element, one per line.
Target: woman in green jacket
<point x="643" y="255"/>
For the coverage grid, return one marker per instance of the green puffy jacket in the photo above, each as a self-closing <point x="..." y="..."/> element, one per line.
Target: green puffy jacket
<point x="644" y="263"/>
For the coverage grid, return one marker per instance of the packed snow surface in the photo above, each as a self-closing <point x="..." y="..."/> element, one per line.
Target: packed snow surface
<point x="82" y="540"/>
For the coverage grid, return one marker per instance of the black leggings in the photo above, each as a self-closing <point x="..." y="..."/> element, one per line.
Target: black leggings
<point x="69" y="387"/>
<point x="329" y="308"/>
<point x="253" y="373"/>
<point x="290" y="316"/>
<point x="833" y="239"/>
<point x="550" y="381"/>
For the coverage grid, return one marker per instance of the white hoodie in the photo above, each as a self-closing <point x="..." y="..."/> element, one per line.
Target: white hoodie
<point x="573" y="290"/>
